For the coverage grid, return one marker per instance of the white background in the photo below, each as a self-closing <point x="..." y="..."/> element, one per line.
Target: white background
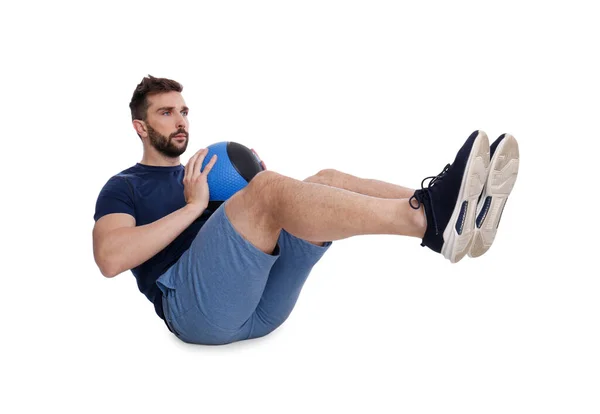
<point x="386" y="90"/>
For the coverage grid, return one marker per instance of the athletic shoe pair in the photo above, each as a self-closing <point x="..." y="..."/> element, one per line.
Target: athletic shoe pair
<point x="463" y="204"/>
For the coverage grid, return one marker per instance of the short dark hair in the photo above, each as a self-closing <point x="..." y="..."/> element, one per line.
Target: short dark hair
<point x="148" y="86"/>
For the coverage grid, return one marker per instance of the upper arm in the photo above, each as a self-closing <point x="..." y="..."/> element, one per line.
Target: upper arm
<point x="115" y="208"/>
<point x="108" y="223"/>
<point x="105" y="225"/>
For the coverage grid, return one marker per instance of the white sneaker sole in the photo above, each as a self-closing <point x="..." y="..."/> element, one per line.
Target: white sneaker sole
<point x="504" y="168"/>
<point x="456" y="245"/>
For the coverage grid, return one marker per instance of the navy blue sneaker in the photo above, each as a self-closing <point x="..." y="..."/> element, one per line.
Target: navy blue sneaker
<point x="450" y="199"/>
<point x="504" y="167"/>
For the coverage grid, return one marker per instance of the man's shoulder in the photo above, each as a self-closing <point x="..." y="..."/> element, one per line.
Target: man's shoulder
<point x="130" y="171"/>
<point x="121" y="177"/>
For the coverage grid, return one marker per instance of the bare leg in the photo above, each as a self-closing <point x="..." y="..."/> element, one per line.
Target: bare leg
<point x="371" y="187"/>
<point x="315" y="212"/>
<point x="374" y="188"/>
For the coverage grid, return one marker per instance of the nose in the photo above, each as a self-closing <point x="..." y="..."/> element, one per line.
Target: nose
<point x="180" y="122"/>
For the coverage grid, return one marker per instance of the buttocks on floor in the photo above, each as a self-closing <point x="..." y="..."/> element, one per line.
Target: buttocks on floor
<point x="224" y="289"/>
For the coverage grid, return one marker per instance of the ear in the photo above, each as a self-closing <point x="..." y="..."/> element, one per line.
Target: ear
<point x="140" y="127"/>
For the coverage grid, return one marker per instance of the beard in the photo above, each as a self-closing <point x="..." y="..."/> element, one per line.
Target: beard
<point x="165" y="145"/>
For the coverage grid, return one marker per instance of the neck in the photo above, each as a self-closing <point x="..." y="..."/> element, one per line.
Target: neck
<point x="155" y="159"/>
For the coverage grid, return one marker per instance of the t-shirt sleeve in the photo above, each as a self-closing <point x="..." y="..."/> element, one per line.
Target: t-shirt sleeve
<point x="115" y="197"/>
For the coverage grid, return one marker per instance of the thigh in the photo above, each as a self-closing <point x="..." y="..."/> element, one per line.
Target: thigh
<point x="250" y="211"/>
<point x="218" y="282"/>
<point x="296" y="259"/>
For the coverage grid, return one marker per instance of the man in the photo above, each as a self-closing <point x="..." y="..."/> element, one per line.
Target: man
<point x="233" y="274"/>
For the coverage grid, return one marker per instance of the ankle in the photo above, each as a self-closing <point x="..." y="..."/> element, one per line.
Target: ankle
<point x="419" y="221"/>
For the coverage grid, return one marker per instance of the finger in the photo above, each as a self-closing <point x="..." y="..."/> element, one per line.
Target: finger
<point x="209" y="166"/>
<point x="186" y="169"/>
<point x="198" y="163"/>
<point x="262" y="163"/>
<point x="189" y="166"/>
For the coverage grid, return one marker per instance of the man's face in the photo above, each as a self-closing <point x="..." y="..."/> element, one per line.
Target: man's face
<point x="167" y="123"/>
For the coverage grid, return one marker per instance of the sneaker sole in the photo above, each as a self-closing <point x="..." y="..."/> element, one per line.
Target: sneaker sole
<point x="504" y="168"/>
<point x="458" y="234"/>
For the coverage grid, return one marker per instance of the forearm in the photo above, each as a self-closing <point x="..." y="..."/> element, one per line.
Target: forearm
<point x="126" y="248"/>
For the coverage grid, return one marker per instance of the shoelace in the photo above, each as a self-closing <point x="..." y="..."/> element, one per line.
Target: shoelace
<point x="423" y="194"/>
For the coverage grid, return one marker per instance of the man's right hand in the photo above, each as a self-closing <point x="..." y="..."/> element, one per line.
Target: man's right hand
<point x="195" y="182"/>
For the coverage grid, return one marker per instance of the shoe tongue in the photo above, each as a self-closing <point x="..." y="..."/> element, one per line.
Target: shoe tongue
<point x="447" y="170"/>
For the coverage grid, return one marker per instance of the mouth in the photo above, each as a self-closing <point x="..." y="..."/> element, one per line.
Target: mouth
<point x="180" y="137"/>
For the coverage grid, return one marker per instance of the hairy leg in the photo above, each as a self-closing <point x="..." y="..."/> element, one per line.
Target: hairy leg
<point x="315" y="212"/>
<point x="366" y="186"/>
<point x="374" y="188"/>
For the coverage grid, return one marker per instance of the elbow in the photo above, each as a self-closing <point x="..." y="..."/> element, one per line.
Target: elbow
<point x="108" y="272"/>
<point x="106" y="258"/>
<point x="108" y="268"/>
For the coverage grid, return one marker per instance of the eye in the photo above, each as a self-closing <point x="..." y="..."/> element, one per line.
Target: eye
<point x="166" y="112"/>
<point x="185" y="113"/>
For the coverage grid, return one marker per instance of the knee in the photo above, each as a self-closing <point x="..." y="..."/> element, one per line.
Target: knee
<point x="262" y="189"/>
<point x="255" y="196"/>
<point x="322" y="177"/>
<point x="327" y="173"/>
<point x="265" y="180"/>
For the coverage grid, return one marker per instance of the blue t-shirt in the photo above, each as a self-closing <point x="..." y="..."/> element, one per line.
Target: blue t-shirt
<point x="149" y="193"/>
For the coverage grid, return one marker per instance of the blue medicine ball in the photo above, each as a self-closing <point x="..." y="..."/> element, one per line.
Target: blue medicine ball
<point x="236" y="165"/>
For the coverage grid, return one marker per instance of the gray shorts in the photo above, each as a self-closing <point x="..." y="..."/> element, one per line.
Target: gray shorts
<point x="223" y="289"/>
